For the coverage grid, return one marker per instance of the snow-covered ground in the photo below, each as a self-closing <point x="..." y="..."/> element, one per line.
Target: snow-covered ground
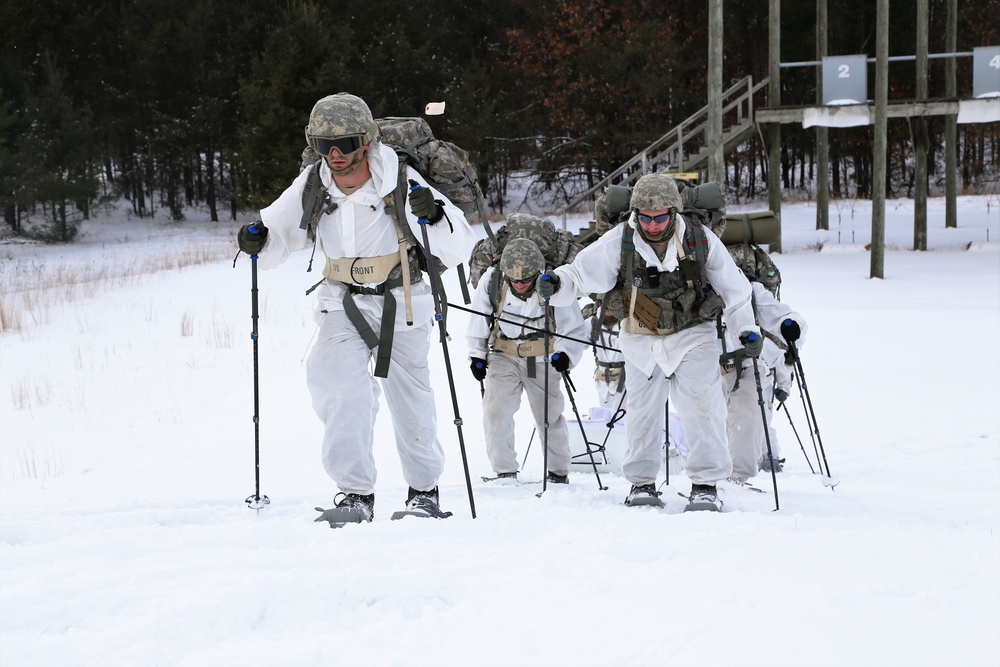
<point x="127" y="450"/>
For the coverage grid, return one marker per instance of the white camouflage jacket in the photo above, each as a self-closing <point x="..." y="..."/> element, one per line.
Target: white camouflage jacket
<point x="360" y="227"/>
<point x="595" y="270"/>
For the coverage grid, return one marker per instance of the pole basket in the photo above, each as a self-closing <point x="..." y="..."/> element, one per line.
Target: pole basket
<point x="258" y="503"/>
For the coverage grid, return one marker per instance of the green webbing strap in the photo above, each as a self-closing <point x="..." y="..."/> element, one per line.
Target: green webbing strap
<point x="388" y="329"/>
<point x="531" y="366"/>
<point x="312" y="191"/>
<point x="387" y="326"/>
<point x="628" y="250"/>
<point x="699" y="251"/>
<point x="359" y="321"/>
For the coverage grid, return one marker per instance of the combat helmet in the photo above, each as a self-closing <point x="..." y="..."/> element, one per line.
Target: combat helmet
<point x="656" y="192"/>
<point x="522" y="260"/>
<point x="340" y="116"/>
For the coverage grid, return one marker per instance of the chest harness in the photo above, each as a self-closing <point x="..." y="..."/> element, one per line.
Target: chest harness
<point x="529" y="346"/>
<point x="400" y="269"/>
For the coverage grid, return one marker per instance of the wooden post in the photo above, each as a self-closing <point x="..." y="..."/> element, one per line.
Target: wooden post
<point x="920" y="134"/>
<point x="716" y="157"/>
<point x="774" y="132"/>
<point x="879" y="156"/>
<point x="951" y="121"/>
<point x="822" y="132"/>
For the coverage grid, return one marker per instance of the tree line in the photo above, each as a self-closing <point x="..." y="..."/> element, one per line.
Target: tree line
<point x="174" y="105"/>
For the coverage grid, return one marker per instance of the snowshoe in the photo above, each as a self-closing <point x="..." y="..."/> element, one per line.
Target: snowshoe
<point x="423" y="504"/>
<point x="766" y="464"/>
<point x="703" y="498"/>
<point x="350" y="508"/>
<point x="643" y="494"/>
<point x="555" y="478"/>
<point x="743" y="483"/>
<point x="502" y="477"/>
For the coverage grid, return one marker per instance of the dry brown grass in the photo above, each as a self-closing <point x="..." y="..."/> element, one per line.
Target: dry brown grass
<point x="30" y="287"/>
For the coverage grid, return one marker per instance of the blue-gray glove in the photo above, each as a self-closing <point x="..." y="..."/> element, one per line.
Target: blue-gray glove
<point x="251" y="238"/>
<point x="423" y="205"/>
<point x="753" y="343"/>
<point x="780" y="394"/>
<point x="547" y="285"/>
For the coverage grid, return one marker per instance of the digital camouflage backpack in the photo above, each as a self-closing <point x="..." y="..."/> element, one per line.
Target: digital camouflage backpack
<point x="742" y="234"/>
<point x="558" y="246"/>
<point x="705" y="202"/>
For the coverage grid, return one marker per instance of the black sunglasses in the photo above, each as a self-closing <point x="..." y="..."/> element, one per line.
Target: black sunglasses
<point x="522" y="282"/>
<point x="346" y="145"/>
<point x="658" y="219"/>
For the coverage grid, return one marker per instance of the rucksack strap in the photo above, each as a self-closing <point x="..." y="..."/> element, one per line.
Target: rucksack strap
<point x="746" y="243"/>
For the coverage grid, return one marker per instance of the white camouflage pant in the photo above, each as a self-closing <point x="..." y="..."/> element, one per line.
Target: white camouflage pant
<point x="505" y="379"/>
<point x="345" y="396"/>
<point x="744" y="425"/>
<point x="697" y="394"/>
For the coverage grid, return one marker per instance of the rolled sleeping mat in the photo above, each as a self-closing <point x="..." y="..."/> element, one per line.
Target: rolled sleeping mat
<point x="760" y="227"/>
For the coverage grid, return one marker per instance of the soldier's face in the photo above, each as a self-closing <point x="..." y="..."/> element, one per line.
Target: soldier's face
<point x="654" y="223"/>
<point x="339" y="163"/>
<point x="522" y="286"/>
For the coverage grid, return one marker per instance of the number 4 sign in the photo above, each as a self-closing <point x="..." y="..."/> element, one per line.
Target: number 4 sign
<point x="986" y="71"/>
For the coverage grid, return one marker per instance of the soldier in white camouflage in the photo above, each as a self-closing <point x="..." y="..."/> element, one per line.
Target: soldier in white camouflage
<point x="748" y="444"/>
<point x="507" y="356"/>
<point x="669" y="332"/>
<point x="366" y="271"/>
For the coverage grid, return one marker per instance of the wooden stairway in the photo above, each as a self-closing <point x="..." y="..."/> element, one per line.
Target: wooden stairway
<point x="685" y="147"/>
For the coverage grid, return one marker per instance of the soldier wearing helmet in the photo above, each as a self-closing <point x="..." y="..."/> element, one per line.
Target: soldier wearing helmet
<point x="358" y="232"/>
<point x="668" y="336"/>
<point x="508" y="353"/>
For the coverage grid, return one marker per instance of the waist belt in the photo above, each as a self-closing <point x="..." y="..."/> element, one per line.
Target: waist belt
<point x="520" y="348"/>
<point x="611" y="373"/>
<point x="358" y="270"/>
<point x="608" y="375"/>
<point x="524" y="349"/>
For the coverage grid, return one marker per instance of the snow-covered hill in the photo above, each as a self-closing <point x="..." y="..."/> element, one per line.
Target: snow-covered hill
<point x="127" y="450"/>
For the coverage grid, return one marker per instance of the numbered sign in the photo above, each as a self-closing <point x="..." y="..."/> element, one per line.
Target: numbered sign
<point x="845" y="79"/>
<point x="986" y="71"/>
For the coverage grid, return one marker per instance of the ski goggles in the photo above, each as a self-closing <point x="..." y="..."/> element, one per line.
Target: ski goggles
<point x="658" y="219"/>
<point x="346" y="145"/>
<point x="526" y="281"/>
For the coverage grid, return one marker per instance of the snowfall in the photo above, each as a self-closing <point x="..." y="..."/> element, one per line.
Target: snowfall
<point x="128" y="451"/>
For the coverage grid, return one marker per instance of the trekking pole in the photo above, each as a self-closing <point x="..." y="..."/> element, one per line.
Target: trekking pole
<point x="583" y="431"/>
<point x="528" y="327"/>
<point x="528" y="450"/>
<point x="666" y="440"/>
<point x="829" y="480"/>
<point x="805" y="410"/>
<point x="795" y="431"/>
<point x="256" y="501"/>
<point x="545" y="427"/>
<point x="763" y="416"/>
<point x="435" y="278"/>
